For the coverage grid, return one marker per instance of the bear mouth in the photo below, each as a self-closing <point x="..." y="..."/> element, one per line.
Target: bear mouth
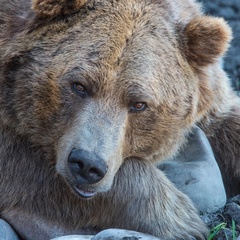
<point x="83" y="193"/>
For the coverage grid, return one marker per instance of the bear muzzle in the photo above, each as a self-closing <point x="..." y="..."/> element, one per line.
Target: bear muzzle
<point x="87" y="168"/>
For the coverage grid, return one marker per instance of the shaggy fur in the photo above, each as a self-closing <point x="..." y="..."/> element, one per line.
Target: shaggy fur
<point x="53" y="8"/>
<point x="121" y="53"/>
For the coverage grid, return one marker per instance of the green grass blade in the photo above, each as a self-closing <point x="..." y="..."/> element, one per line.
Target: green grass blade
<point x="234" y="230"/>
<point x="215" y="230"/>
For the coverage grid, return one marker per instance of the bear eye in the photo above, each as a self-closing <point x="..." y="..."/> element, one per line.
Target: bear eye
<point x="138" y="106"/>
<point x="79" y="88"/>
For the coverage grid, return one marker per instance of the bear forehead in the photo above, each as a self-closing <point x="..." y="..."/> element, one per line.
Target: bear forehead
<point x="103" y="34"/>
<point x="112" y="42"/>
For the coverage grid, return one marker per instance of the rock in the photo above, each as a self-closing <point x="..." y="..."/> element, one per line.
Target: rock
<point x="235" y="199"/>
<point x="110" y="234"/>
<point x="120" y="234"/>
<point x="195" y="172"/>
<point x="74" y="237"/>
<point x="233" y="210"/>
<point x="6" y="231"/>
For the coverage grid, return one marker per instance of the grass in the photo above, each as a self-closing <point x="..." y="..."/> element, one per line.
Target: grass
<point x="214" y="231"/>
<point x="234" y="229"/>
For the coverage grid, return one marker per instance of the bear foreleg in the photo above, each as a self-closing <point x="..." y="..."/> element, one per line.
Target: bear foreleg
<point x="143" y="199"/>
<point x="224" y="137"/>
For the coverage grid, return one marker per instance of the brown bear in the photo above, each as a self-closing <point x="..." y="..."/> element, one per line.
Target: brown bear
<point x="93" y="95"/>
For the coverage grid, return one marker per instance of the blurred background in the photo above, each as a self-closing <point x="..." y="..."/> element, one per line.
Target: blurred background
<point x="230" y="11"/>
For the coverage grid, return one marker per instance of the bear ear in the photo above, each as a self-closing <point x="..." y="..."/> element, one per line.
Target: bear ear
<point x="205" y="40"/>
<point x="53" y="8"/>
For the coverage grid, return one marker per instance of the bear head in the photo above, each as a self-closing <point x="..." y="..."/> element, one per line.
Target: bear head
<point x="97" y="82"/>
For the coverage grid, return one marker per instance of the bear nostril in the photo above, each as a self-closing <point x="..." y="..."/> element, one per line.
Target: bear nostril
<point x="77" y="166"/>
<point x="87" y="167"/>
<point x="80" y="165"/>
<point x="96" y="173"/>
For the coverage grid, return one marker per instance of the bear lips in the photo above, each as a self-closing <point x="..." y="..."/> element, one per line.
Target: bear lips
<point x="83" y="193"/>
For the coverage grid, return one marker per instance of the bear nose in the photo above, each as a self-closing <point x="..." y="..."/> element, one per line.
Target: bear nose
<point x="87" y="167"/>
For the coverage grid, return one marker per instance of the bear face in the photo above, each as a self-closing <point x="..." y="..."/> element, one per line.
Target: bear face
<point x="115" y="80"/>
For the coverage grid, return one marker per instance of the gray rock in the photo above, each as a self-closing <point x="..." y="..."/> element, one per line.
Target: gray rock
<point x="74" y="237"/>
<point x="195" y="172"/>
<point x="6" y="231"/>
<point x="120" y="234"/>
<point x="233" y="210"/>
<point x="235" y="199"/>
<point x="111" y="234"/>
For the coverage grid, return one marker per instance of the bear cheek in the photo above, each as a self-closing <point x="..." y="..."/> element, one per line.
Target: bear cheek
<point x="140" y="135"/>
<point x="158" y="134"/>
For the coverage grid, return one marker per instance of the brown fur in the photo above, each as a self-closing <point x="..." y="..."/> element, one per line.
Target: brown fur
<point x="123" y="52"/>
<point x="227" y="151"/>
<point x="52" y="8"/>
<point x="202" y="34"/>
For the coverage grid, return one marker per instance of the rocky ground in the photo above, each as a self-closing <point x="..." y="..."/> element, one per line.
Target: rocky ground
<point x="230" y="11"/>
<point x="227" y="217"/>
